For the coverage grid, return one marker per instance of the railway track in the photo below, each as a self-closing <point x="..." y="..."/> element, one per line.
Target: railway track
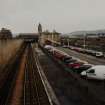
<point x="34" y="91"/>
<point x="20" y="83"/>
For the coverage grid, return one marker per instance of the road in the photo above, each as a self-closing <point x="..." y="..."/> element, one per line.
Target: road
<point x="88" y="58"/>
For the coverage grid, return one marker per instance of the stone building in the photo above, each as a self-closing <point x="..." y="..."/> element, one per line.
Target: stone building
<point x="50" y="38"/>
<point x="46" y="37"/>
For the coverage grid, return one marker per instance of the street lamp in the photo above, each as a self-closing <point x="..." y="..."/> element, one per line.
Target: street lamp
<point x="84" y="40"/>
<point x="68" y="42"/>
<point x="52" y="39"/>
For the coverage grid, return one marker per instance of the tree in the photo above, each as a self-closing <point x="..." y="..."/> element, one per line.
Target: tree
<point x="5" y="33"/>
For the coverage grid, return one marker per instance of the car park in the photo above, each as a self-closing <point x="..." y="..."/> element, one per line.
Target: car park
<point x="79" y="66"/>
<point x="87" y="51"/>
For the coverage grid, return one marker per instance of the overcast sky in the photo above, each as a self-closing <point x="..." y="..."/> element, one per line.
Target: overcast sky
<point x="63" y="15"/>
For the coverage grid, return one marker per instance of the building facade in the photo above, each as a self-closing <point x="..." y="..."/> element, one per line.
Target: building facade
<point x="50" y="38"/>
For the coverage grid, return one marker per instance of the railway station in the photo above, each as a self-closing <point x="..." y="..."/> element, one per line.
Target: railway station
<point x="42" y="71"/>
<point x="52" y="52"/>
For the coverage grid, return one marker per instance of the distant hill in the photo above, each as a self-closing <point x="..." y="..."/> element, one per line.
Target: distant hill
<point x="82" y="33"/>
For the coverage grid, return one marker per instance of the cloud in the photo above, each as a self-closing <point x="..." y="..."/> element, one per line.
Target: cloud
<point x="62" y="15"/>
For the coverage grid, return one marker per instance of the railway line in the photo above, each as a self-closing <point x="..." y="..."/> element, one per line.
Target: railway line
<point x="34" y="92"/>
<point x="20" y="82"/>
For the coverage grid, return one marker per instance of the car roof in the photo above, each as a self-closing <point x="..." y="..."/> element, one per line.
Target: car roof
<point x="98" y="67"/>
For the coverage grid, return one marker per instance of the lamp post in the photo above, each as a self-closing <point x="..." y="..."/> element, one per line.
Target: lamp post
<point x="68" y="42"/>
<point x="84" y="40"/>
<point x="62" y="41"/>
<point x="52" y="38"/>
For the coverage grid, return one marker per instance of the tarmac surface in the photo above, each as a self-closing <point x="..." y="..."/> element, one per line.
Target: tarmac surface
<point x="88" y="58"/>
<point x="68" y="90"/>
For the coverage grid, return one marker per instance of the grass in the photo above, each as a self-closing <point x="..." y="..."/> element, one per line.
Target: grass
<point x="7" y="49"/>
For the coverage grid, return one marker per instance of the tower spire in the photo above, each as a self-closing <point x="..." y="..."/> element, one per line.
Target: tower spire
<point x="40" y="28"/>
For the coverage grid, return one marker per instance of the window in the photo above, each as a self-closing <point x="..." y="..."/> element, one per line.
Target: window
<point x="91" y="71"/>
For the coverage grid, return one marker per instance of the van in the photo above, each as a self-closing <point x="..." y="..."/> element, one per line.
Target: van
<point x="95" y="72"/>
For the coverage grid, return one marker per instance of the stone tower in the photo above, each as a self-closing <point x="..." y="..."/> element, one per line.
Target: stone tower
<point x="40" y="29"/>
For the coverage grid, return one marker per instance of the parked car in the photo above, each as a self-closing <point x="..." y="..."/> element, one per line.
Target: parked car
<point x="99" y="54"/>
<point x="66" y="58"/>
<point x="71" y="47"/>
<point x="65" y="46"/>
<point x="75" y="64"/>
<point x="70" y="61"/>
<point x="48" y="47"/>
<point x="82" y="68"/>
<point x="59" y="54"/>
<point x="95" y="72"/>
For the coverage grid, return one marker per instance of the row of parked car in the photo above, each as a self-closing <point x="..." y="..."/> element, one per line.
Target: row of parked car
<point x="76" y="65"/>
<point x="86" y="51"/>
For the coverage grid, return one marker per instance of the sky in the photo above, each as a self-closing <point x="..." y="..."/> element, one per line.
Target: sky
<point x="64" y="16"/>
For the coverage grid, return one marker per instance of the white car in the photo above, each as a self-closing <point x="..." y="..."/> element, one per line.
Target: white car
<point x="95" y="72"/>
<point x="65" y="46"/>
<point x="99" y="54"/>
<point x="48" y="47"/>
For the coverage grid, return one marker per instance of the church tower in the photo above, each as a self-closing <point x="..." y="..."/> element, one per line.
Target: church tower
<point x="40" y="29"/>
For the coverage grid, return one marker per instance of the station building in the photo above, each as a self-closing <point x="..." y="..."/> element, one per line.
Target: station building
<point x="51" y="38"/>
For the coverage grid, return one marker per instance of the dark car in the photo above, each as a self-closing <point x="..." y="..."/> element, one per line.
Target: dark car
<point x="70" y="61"/>
<point x="82" y="68"/>
<point x="66" y="58"/>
